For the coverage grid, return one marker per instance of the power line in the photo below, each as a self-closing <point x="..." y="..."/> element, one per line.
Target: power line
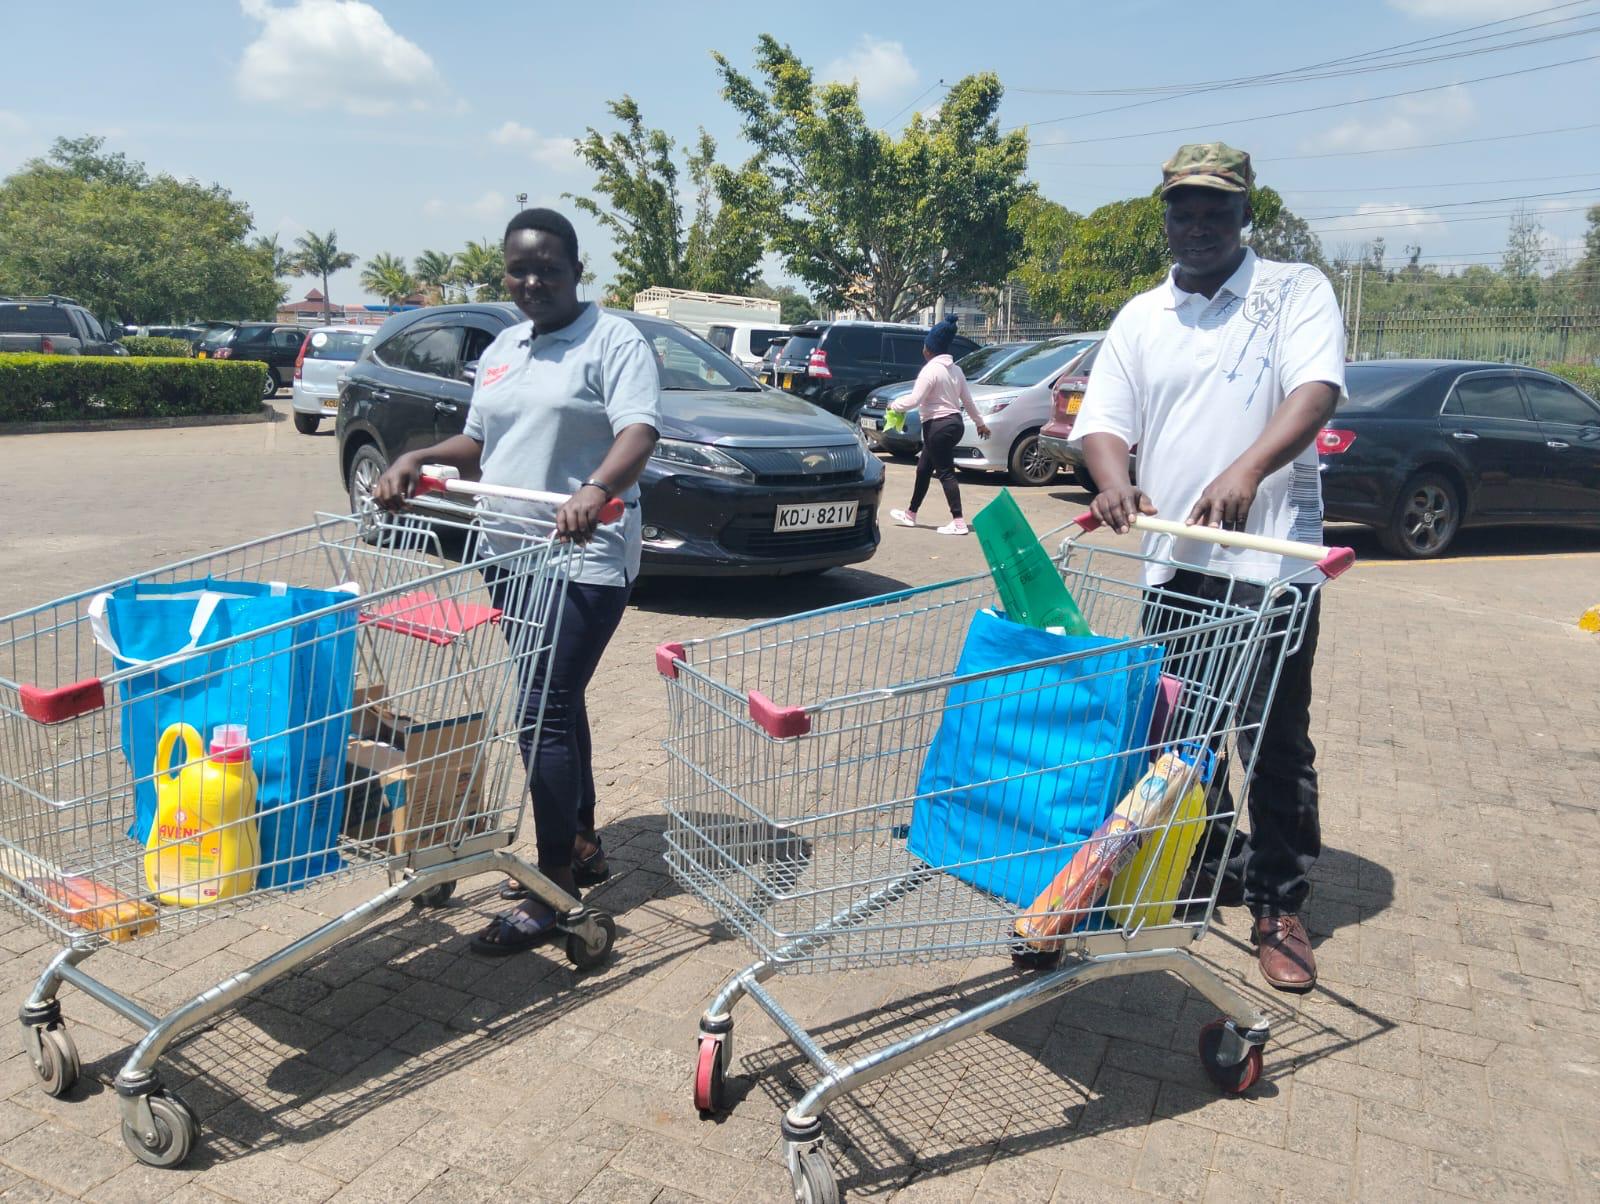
<point x="1427" y="221"/>
<point x="1493" y="200"/>
<point x="1576" y="175"/>
<point x="1380" y="52"/>
<point x="1312" y="75"/>
<point x="938" y="83"/>
<point x="1387" y="150"/>
<point x="1341" y="104"/>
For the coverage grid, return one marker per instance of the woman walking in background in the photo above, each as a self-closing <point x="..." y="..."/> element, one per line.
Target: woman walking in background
<point x="939" y="396"/>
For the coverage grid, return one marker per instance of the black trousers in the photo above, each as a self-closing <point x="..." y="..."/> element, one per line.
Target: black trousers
<point x="940" y="438"/>
<point x="1285" y="838"/>
<point x="562" y="768"/>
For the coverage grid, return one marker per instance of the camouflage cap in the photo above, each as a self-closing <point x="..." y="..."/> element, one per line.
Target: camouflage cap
<point x="1207" y="165"/>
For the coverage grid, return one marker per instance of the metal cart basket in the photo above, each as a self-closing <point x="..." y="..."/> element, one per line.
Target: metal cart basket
<point x="407" y="684"/>
<point x="797" y="751"/>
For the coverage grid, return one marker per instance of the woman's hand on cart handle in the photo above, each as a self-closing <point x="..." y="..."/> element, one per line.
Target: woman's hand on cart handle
<point x="1332" y="561"/>
<point x="441" y="478"/>
<point x="1118" y="507"/>
<point x="397" y="483"/>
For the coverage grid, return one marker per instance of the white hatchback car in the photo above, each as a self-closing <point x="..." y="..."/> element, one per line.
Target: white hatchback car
<point x="745" y="342"/>
<point x="324" y="356"/>
<point x="1015" y="402"/>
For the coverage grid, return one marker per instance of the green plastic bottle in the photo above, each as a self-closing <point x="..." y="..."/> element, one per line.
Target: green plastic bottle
<point x="1030" y="587"/>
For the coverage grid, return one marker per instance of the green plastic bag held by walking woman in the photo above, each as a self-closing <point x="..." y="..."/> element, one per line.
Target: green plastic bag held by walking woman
<point x="290" y="686"/>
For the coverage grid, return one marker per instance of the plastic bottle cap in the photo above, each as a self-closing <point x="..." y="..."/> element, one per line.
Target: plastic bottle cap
<point x="230" y="742"/>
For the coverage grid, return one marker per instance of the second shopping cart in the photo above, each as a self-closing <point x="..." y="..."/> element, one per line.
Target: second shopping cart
<point x="847" y="791"/>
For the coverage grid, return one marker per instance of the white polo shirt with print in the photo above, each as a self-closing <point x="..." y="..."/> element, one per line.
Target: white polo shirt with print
<point x="1191" y="382"/>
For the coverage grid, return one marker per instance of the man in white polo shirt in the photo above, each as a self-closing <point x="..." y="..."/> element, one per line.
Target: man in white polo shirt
<point x="1221" y="377"/>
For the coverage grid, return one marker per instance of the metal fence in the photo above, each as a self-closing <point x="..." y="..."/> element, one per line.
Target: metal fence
<point x="1516" y="336"/>
<point x="1502" y="335"/>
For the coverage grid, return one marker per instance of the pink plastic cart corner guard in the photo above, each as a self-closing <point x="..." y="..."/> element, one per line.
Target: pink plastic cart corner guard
<point x="778" y="722"/>
<point x="64" y="702"/>
<point x="1336" y="561"/>
<point x="1087" y="521"/>
<point x="667" y="658"/>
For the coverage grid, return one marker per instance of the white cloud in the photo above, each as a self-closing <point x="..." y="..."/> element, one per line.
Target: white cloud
<point x="318" y="54"/>
<point x="1484" y="10"/>
<point x="487" y="207"/>
<point x="558" y="154"/>
<point x="879" y="68"/>
<point x="1374" y="219"/>
<point x="1408" y="122"/>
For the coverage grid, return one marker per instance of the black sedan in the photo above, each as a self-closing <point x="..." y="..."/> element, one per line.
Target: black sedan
<point x="745" y="480"/>
<point x="1423" y="448"/>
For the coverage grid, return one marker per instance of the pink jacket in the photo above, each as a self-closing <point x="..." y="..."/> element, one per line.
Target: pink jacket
<point x="941" y="390"/>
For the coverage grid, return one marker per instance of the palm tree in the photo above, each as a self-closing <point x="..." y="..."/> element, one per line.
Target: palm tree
<point x="319" y="255"/>
<point x="481" y="269"/>
<point x="435" y="270"/>
<point x="281" y="262"/>
<point x="386" y="275"/>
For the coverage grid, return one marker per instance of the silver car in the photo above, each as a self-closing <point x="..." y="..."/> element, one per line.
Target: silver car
<point x="1015" y="403"/>
<point x="324" y="356"/>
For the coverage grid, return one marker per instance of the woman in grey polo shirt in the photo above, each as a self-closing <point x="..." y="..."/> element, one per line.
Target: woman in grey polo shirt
<point x="565" y="402"/>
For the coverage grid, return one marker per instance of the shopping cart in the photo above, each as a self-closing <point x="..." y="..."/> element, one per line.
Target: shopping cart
<point x="796" y="750"/>
<point x="427" y="786"/>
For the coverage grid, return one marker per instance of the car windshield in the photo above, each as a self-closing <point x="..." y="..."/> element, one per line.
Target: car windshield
<point x="337" y="344"/>
<point x="1038" y="362"/>
<point x="987" y="359"/>
<point x="687" y="362"/>
<point x="1376" y="386"/>
<point x="218" y="336"/>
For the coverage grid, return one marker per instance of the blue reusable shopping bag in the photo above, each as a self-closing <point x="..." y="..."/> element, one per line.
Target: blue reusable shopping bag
<point x="291" y="689"/>
<point x="1025" y="765"/>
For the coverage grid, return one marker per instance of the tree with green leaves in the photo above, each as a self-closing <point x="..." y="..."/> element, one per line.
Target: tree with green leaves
<point x="871" y="222"/>
<point x="637" y="175"/>
<point x="275" y="257"/>
<point x="388" y="277"/>
<point x="319" y="255"/>
<point x="481" y="271"/>
<point x="435" y="271"/>
<point x="1288" y="239"/>
<point x="1084" y="269"/>
<point x="133" y="247"/>
<point x="794" y="306"/>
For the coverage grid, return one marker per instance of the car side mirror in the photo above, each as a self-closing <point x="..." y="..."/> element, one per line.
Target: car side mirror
<point x="469" y="371"/>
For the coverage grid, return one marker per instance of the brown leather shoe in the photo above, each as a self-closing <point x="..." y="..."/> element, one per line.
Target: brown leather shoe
<point x="1283" y="951"/>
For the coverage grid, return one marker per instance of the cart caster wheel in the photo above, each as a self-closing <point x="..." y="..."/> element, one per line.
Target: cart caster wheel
<point x="434" y="896"/>
<point x="709" y="1072"/>
<point x="1235" y="1079"/>
<point x="176" y="1131"/>
<point x="58" y="1061"/>
<point x="815" y="1183"/>
<point x="587" y="953"/>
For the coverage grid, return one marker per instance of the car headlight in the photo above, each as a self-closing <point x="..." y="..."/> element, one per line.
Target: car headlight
<point x="993" y="405"/>
<point x="700" y="457"/>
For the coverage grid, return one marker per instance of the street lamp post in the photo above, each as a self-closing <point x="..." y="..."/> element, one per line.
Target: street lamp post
<point x="522" y="201"/>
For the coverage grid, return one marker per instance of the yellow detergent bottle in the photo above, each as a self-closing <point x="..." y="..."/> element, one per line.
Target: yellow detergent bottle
<point x="1165" y="859"/>
<point x="203" y="845"/>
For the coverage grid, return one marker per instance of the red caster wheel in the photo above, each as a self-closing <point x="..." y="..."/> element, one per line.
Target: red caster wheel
<point x="1234" y="1079"/>
<point x="708" y="1073"/>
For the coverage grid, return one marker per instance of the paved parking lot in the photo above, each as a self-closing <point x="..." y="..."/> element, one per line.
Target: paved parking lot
<point x="1451" y="1050"/>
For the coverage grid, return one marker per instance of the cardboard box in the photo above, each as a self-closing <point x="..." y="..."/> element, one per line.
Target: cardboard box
<point x="429" y="775"/>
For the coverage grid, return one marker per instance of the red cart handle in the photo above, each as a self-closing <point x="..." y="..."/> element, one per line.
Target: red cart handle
<point x="1332" y="561"/>
<point x="438" y="478"/>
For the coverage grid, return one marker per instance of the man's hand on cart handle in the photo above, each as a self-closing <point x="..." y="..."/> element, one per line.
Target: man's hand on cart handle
<point x="397" y="483"/>
<point x="1332" y="561"/>
<point x="1118" y="507"/>
<point x="1227" y="500"/>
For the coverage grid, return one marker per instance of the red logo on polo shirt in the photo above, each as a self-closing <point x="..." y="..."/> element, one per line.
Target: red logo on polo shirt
<point x="495" y="372"/>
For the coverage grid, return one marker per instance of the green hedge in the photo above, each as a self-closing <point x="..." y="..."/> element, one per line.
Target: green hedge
<point x="73" y="388"/>
<point x="148" y="345"/>
<point x="1585" y="376"/>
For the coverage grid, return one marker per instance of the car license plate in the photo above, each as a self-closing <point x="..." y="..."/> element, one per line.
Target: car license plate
<point x="788" y="380"/>
<point x="199" y="355"/>
<point x="815" y="516"/>
<point x="1074" y="402"/>
<point x="330" y="403"/>
<point x="872" y="424"/>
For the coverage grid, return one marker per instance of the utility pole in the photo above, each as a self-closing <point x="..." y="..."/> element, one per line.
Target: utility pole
<point x="1355" y="332"/>
<point x="522" y="201"/>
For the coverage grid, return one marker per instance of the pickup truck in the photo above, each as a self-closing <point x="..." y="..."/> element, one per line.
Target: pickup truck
<point x="53" y="326"/>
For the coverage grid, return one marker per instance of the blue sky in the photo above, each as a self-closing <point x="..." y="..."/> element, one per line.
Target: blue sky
<point x="407" y="124"/>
